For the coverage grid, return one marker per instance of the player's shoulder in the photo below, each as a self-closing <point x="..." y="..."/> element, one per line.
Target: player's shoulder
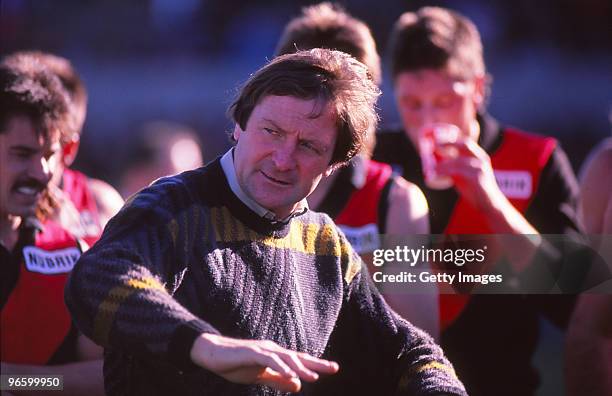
<point x="602" y="154"/>
<point x="402" y="189"/>
<point x="104" y="191"/>
<point x="599" y="162"/>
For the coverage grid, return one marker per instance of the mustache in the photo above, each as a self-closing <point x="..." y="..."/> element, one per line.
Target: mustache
<point x="30" y="183"/>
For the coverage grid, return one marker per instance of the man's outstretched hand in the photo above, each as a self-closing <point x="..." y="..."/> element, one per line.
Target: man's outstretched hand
<point x="258" y="362"/>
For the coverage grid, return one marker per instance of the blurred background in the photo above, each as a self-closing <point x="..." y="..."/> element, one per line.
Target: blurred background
<point x="175" y="65"/>
<point x="181" y="61"/>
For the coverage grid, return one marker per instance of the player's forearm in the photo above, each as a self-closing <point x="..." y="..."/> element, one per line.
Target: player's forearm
<point x="519" y="239"/>
<point x="503" y="217"/>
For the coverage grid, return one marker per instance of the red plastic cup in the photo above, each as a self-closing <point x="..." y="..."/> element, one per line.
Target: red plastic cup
<point x="430" y="137"/>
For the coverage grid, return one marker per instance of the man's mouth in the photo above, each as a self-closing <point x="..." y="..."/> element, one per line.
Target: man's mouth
<point x="30" y="188"/>
<point x="274" y="180"/>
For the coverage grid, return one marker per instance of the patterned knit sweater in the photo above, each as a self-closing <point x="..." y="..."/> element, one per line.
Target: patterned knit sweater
<point x="186" y="256"/>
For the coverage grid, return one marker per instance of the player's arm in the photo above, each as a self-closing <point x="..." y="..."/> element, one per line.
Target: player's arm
<point x="408" y="211"/>
<point x="589" y="339"/>
<point x="408" y="214"/>
<point x="474" y="179"/>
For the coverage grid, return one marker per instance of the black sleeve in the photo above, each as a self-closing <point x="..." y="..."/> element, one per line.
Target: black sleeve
<point x="120" y="292"/>
<point x="554" y="209"/>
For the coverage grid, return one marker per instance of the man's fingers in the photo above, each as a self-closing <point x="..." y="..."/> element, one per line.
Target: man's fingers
<point x="305" y="365"/>
<point x="459" y="166"/>
<point x="273" y="361"/>
<point x="264" y="362"/>
<point x="277" y="381"/>
<point x="295" y="362"/>
<point x="319" y="365"/>
<point x="465" y="147"/>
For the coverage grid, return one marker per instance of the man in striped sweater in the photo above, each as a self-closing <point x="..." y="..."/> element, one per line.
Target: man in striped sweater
<point x="221" y="281"/>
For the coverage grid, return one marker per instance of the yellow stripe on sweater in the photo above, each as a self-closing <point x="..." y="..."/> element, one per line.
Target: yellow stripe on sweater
<point x="116" y="296"/>
<point x="106" y="313"/>
<point x="146" y="283"/>
<point x="419" y="368"/>
<point x="434" y="365"/>
<point x="308" y="238"/>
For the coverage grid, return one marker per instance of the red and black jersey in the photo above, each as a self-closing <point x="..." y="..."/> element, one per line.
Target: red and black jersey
<point x="76" y="186"/>
<point x="491" y="338"/>
<point x="518" y="180"/>
<point x="36" y="325"/>
<point x="360" y="208"/>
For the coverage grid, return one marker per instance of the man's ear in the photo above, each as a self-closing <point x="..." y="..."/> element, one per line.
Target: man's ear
<point x="480" y="87"/>
<point x="237" y="132"/>
<point x="70" y="150"/>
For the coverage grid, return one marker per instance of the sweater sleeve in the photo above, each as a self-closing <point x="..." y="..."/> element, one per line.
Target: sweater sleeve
<point x="120" y="293"/>
<point x="380" y="351"/>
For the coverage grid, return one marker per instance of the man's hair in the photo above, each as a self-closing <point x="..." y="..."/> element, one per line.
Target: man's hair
<point x="71" y="81"/>
<point x="328" y="25"/>
<point x="28" y="88"/>
<point x="330" y="78"/>
<point x="436" y="38"/>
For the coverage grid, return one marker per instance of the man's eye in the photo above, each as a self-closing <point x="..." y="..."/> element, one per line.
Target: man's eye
<point x="22" y="154"/>
<point x="272" y="132"/>
<point x="445" y="101"/>
<point x="310" y="147"/>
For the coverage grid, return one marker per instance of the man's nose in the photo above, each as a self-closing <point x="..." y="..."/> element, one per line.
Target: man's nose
<point x="429" y="115"/>
<point x="284" y="157"/>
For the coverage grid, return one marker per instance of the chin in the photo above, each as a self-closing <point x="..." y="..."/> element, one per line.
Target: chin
<point x="276" y="207"/>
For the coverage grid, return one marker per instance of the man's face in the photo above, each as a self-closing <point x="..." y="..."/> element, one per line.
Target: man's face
<point x="431" y="96"/>
<point x="27" y="164"/>
<point x="282" y="154"/>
